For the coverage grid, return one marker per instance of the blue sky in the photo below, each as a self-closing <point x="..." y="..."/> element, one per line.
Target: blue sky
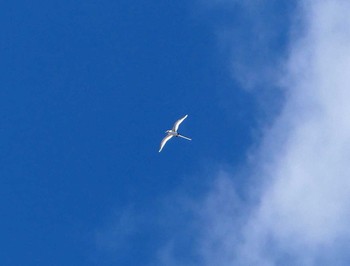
<point x="87" y="91"/>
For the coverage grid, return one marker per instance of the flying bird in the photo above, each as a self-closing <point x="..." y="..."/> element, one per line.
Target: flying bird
<point x="173" y="133"/>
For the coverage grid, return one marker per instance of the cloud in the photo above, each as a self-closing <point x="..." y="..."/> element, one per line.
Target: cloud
<point x="115" y="235"/>
<point x="295" y="209"/>
<point x="250" y="33"/>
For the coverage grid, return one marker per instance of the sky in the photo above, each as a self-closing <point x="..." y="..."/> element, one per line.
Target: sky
<point x="88" y="89"/>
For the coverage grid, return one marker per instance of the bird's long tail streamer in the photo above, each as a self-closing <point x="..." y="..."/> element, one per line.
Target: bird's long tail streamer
<point x="184" y="137"/>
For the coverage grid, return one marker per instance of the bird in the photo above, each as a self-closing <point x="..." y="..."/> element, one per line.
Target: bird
<point x="173" y="133"/>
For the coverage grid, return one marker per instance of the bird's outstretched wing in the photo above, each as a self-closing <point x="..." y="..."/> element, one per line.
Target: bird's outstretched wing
<point x="164" y="141"/>
<point x="178" y="122"/>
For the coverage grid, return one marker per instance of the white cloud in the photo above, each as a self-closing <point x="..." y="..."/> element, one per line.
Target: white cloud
<point x="250" y="33"/>
<point x="301" y="216"/>
<point x="115" y="235"/>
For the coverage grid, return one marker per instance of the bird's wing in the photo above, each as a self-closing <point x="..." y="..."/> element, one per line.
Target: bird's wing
<point x="164" y="141"/>
<point x="178" y="122"/>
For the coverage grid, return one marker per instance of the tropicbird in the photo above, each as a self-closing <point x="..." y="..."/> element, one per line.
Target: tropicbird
<point x="173" y="133"/>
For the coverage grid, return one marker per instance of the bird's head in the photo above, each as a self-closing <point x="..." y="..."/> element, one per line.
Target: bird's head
<point x="167" y="131"/>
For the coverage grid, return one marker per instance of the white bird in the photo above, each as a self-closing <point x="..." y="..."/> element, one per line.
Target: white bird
<point x="173" y="132"/>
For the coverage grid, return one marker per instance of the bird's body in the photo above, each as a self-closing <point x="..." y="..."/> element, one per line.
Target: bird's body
<point x="173" y="133"/>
